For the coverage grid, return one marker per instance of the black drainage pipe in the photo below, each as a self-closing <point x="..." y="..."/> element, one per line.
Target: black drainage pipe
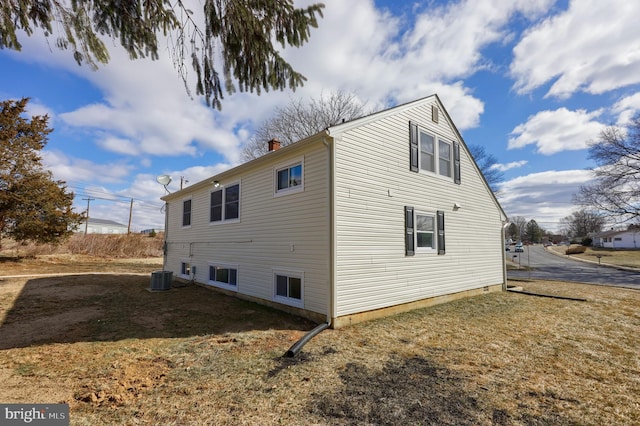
<point x="293" y="350"/>
<point x="528" y="293"/>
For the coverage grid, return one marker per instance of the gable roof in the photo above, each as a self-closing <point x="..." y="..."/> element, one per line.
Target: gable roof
<point x="343" y="127"/>
<point x="612" y="233"/>
<point x="95" y="221"/>
<point x="334" y="131"/>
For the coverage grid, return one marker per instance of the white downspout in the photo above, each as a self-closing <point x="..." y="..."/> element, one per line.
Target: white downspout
<point x="331" y="303"/>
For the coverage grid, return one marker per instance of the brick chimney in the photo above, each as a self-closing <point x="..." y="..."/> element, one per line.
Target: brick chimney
<point x="274" y="145"/>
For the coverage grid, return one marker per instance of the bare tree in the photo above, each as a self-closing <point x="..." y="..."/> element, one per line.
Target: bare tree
<point x="521" y="224"/>
<point x="616" y="191"/>
<point x="301" y="119"/>
<point x="581" y="223"/>
<point x="486" y="162"/>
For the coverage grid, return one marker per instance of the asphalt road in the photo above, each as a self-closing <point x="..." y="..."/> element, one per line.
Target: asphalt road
<point x="544" y="265"/>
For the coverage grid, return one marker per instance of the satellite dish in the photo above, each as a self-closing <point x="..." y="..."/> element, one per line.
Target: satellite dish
<point x="164" y="180"/>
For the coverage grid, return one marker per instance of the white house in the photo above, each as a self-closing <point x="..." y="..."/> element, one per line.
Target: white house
<point x="103" y="226"/>
<point x="629" y="239"/>
<point x="378" y="215"/>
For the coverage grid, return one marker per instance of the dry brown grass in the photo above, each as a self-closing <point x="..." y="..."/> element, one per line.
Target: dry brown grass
<point x="95" y="245"/>
<point x="628" y="257"/>
<point x="119" y="354"/>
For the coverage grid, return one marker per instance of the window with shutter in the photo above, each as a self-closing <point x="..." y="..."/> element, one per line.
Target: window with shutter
<point x="424" y="232"/>
<point x="408" y="225"/>
<point x="441" y="245"/>
<point x="433" y="154"/>
<point x="413" y="146"/>
<point x="456" y="163"/>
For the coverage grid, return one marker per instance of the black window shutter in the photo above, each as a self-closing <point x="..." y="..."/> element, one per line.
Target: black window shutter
<point x="456" y="162"/>
<point x="413" y="146"/>
<point x="441" y="246"/>
<point x="409" y="229"/>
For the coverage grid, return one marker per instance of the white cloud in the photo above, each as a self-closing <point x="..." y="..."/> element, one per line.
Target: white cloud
<point x="557" y="131"/>
<point x="592" y="47"/>
<point x="509" y="166"/>
<point x="72" y="169"/>
<point x="545" y="196"/>
<point x="118" y="145"/>
<point x="627" y="108"/>
<point x="388" y="60"/>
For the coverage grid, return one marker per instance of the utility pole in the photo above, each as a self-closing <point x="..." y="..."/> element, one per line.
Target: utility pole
<point x="183" y="181"/>
<point x="130" y="214"/>
<point x="86" y="223"/>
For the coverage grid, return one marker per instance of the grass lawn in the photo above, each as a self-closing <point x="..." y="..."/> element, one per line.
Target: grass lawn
<point x="119" y="354"/>
<point x="629" y="258"/>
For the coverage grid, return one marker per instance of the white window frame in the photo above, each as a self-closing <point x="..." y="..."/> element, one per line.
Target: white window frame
<point x="189" y="268"/>
<point x="451" y="155"/>
<point x="436" y="155"/>
<point x="224" y="201"/>
<point x="434" y="232"/>
<point x="290" y="189"/>
<point x="184" y="200"/>
<point x="285" y="300"/>
<point x="222" y="284"/>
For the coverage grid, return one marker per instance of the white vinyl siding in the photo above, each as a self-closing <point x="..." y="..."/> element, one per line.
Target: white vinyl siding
<point x="283" y="233"/>
<point x="374" y="183"/>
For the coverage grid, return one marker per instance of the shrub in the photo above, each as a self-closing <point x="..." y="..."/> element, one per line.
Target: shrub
<point x="587" y="242"/>
<point x="576" y="250"/>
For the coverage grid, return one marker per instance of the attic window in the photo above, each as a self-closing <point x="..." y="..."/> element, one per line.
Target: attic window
<point x="434" y="113"/>
<point x="432" y="154"/>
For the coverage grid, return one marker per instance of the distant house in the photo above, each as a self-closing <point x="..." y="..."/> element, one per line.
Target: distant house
<point x="375" y="216"/>
<point x="629" y="239"/>
<point x="103" y="226"/>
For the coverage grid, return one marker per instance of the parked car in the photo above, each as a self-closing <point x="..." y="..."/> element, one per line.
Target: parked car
<point x="519" y="248"/>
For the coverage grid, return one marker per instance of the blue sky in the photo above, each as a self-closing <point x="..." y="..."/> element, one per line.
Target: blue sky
<point x="532" y="80"/>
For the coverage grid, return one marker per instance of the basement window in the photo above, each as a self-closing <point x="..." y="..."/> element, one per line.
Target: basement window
<point x="289" y="288"/>
<point x="185" y="270"/>
<point x="223" y="276"/>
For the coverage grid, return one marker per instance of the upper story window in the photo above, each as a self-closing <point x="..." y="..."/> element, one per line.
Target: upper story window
<point x="427" y="152"/>
<point x="289" y="178"/>
<point x="433" y="154"/>
<point x="225" y="204"/>
<point x="444" y="158"/>
<point x="186" y="212"/>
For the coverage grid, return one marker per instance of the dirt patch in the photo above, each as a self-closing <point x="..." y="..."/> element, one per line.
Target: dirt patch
<point x="38" y="329"/>
<point x="119" y="354"/>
